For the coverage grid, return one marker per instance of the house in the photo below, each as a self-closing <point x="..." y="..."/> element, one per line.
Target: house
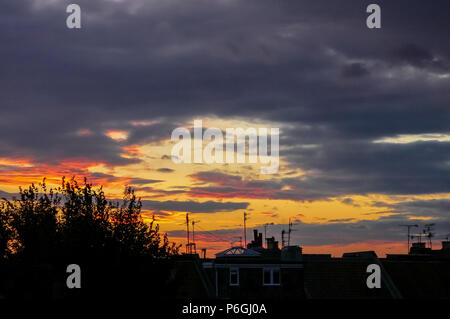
<point x="257" y="272"/>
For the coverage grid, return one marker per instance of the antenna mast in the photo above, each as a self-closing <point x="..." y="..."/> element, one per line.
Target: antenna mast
<point x="290" y="230"/>
<point x="233" y="241"/>
<point x="409" y="226"/>
<point x="187" y="233"/>
<point x="245" y="229"/>
<point x="428" y="231"/>
<point x="193" y="236"/>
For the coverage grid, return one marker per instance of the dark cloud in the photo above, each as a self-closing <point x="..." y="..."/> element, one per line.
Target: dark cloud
<point x="349" y="201"/>
<point x="420" y="57"/>
<point x="6" y="195"/>
<point x="341" y="169"/>
<point x="231" y="186"/>
<point x="142" y="181"/>
<point x="434" y="208"/>
<point x="154" y="192"/>
<point x="194" y="206"/>
<point x="165" y="170"/>
<point x="217" y="178"/>
<point x="365" y="167"/>
<point x="96" y="177"/>
<point x="332" y="84"/>
<point x="354" y="70"/>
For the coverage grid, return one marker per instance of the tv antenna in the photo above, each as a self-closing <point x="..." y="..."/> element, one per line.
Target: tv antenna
<point x="282" y="238"/>
<point x="409" y="226"/>
<point x="245" y="228"/>
<point x="190" y="246"/>
<point x="233" y="241"/>
<point x="419" y="236"/>
<point x="290" y="230"/>
<point x="187" y="233"/>
<point x="193" y="234"/>
<point x="428" y="233"/>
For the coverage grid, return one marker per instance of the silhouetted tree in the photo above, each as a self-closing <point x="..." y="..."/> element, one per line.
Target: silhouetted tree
<point x="44" y="230"/>
<point x="6" y="232"/>
<point x="33" y="222"/>
<point x="85" y="227"/>
<point x="136" y="238"/>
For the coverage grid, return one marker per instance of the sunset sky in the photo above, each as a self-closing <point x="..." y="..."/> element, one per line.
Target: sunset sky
<point x="363" y="114"/>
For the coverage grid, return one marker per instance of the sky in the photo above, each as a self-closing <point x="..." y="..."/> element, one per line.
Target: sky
<point x="363" y="113"/>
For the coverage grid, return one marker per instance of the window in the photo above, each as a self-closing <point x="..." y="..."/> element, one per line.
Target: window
<point x="234" y="276"/>
<point x="271" y="276"/>
<point x="266" y="276"/>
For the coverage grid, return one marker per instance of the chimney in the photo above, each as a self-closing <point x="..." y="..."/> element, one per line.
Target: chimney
<point x="257" y="240"/>
<point x="272" y="244"/>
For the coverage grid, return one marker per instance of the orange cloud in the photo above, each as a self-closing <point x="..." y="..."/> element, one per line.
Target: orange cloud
<point x="117" y="135"/>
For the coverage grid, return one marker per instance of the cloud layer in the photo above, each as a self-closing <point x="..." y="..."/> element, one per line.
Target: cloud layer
<point x="145" y="67"/>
